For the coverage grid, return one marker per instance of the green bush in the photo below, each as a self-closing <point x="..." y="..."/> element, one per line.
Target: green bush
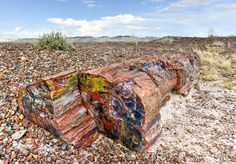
<point x="53" y="41"/>
<point x="132" y="42"/>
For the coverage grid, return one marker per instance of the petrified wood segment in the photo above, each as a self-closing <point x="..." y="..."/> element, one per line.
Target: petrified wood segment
<point x="121" y="101"/>
<point x="55" y="104"/>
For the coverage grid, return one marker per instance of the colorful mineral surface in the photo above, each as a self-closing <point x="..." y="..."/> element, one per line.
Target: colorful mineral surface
<point x="121" y="101"/>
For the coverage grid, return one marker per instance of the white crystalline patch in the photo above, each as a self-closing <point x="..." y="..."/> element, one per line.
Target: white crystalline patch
<point x="82" y="111"/>
<point x="126" y="85"/>
<point x="42" y="115"/>
<point x="65" y="99"/>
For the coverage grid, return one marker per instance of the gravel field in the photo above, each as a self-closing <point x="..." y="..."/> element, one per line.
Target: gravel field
<point x="199" y="128"/>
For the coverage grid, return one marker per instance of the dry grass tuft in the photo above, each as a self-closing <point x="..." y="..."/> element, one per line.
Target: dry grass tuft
<point x="213" y="64"/>
<point x="208" y="74"/>
<point x="226" y="65"/>
<point x="228" y="83"/>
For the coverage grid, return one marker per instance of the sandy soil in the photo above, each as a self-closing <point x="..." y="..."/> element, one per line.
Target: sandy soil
<point x="200" y="127"/>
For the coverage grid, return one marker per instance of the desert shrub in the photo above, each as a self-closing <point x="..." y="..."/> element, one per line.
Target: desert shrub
<point x="132" y="42"/>
<point x="211" y="33"/>
<point x="167" y="39"/>
<point x="211" y="36"/>
<point x="53" y="41"/>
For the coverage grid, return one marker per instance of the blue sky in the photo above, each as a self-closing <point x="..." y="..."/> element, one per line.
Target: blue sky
<point x="32" y="18"/>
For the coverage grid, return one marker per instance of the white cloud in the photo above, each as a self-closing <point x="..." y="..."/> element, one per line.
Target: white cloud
<point x="228" y="6"/>
<point x="18" y="32"/>
<point x="183" y="4"/>
<point x="185" y="23"/>
<point x="195" y="17"/>
<point x="17" y="29"/>
<point x="187" y="5"/>
<point x="90" y="3"/>
<point x="110" y="25"/>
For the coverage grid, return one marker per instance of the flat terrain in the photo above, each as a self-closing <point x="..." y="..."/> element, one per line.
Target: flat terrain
<point x="199" y="128"/>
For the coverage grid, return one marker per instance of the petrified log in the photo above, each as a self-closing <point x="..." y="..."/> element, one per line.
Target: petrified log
<point x="121" y="101"/>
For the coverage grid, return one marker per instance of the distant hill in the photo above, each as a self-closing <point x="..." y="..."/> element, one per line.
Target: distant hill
<point x="7" y="40"/>
<point x="94" y="39"/>
<point x="126" y="38"/>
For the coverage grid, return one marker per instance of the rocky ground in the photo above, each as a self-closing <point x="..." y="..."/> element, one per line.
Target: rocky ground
<point x="199" y="128"/>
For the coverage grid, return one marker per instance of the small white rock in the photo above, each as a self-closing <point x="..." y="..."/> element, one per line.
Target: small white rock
<point x="14" y="143"/>
<point x="5" y="140"/>
<point x="18" y="134"/>
<point x="1" y="129"/>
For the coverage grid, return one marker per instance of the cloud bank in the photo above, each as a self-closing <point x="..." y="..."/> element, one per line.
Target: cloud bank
<point x="112" y="25"/>
<point x="182" y="18"/>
